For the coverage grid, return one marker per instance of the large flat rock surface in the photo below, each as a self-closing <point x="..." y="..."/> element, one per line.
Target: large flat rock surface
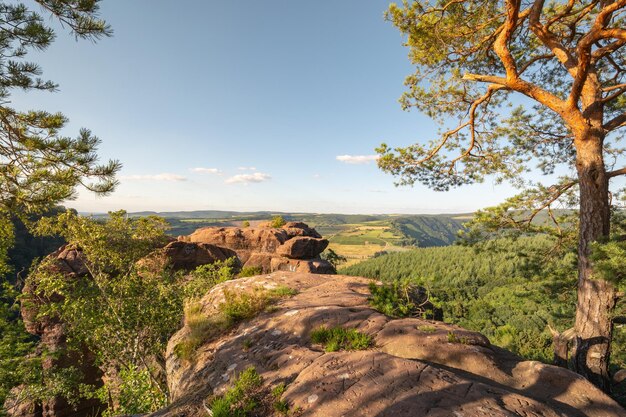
<point x="415" y="368"/>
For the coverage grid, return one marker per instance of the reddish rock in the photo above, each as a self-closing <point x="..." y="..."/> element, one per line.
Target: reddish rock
<point x="260" y="260"/>
<point x="302" y="247"/>
<point x="312" y="266"/>
<point x="251" y="239"/>
<point x="416" y="367"/>
<point x="187" y="256"/>
<point x="267" y="247"/>
<point x="294" y="229"/>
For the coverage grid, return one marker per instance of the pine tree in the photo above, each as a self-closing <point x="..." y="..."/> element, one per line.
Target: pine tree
<point x="565" y="60"/>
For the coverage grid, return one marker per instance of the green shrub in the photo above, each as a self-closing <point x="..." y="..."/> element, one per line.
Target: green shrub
<point x="278" y="221"/>
<point x="236" y="308"/>
<point x="280" y="405"/>
<point x="338" y="338"/>
<point x="242" y="399"/>
<point x="201" y="329"/>
<point x="245" y="224"/>
<point x="427" y="329"/>
<point x="333" y="257"/>
<point x="205" y="277"/>
<point x="135" y="393"/>
<point x="453" y="338"/>
<point x="250" y="271"/>
<point x="282" y="291"/>
<point x="400" y="299"/>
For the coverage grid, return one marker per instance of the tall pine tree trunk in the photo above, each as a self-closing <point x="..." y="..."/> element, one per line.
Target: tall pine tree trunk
<point x="596" y="297"/>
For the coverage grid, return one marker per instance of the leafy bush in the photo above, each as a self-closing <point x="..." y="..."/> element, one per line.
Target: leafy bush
<point x="278" y="221"/>
<point x="250" y="271"/>
<point x="134" y="394"/>
<point x="122" y="312"/>
<point x="205" y="277"/>
<point x="400" y="299"/>
<point x="338" y="338"/>
<point x="333" y="257"/>
<point x="242" y="399"/>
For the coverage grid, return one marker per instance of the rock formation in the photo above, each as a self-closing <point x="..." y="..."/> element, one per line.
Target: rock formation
<point x="416" y="368"/>
<point x="293" y="247"/>
<point x="68" y="261"/>
<point x="180" y="255"/>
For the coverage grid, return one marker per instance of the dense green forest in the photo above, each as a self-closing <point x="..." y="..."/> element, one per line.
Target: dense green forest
<point x="510" y="290"/>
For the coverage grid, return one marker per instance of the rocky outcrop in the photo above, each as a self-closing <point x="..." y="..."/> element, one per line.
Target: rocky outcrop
<point x="269" y="248"/>
<point x="415" y="368"/>
<point x="68" y="261"/>
<point x="302" y="247"/>
<point x="187" y="256"/>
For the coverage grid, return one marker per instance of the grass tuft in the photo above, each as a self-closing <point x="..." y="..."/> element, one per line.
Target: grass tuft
<point x="338" y="338"/>
<point x="236" y="308"/>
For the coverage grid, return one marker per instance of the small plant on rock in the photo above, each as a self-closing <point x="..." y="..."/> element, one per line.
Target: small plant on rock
<point x="339" y="338"/>
<point x="278" y="221"/>
<point x="242" y="399"/>
<point x="250" y="271"/>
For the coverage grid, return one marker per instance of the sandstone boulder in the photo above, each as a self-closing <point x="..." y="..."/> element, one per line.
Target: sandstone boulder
<point x="252" y="239"/>
<point x="416" y="367"/>
<point x="302" y="247"/>
<point x="311" y="266"/>
<point x="267" y="247"/>
<point x="294" y="229"/>
<point x="186" y="256"/>
<point x="260" y="260"/>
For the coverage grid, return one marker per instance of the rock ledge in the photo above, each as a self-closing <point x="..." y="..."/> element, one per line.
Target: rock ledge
<point x="414" y="369"/>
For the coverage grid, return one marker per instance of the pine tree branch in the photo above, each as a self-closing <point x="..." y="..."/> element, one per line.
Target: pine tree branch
<point x="616" y="173"/>
<point x="615" y="123"/>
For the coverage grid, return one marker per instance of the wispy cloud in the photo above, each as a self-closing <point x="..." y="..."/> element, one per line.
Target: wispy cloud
<point x="206" y="170"/>
<point x="357" y="159"/>
<point x="247" y="168"/>
<point x="157" y="177"/>
<point x="248" y="178"/>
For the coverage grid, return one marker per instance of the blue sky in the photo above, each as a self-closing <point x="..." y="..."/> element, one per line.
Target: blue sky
<point x="246" y="105"/>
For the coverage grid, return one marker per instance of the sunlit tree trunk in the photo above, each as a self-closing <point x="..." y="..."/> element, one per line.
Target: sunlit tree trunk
<point x="596" y="297"/>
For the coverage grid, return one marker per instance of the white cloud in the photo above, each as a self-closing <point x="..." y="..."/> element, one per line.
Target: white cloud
<point x="248" y="178"/>
<point x="357" y="159"/>
<point x="206" y="170"/>
<point x="247" y="168"/>
<point x="158" y="177"/>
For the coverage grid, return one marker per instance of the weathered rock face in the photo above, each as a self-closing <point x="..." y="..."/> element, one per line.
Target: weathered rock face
<point x="70" y="262"/>
<point x="302" y="247"/>
<point x="416" y="368"/>
<point x="186" y="256"/>
<point x="269" y="248"/>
